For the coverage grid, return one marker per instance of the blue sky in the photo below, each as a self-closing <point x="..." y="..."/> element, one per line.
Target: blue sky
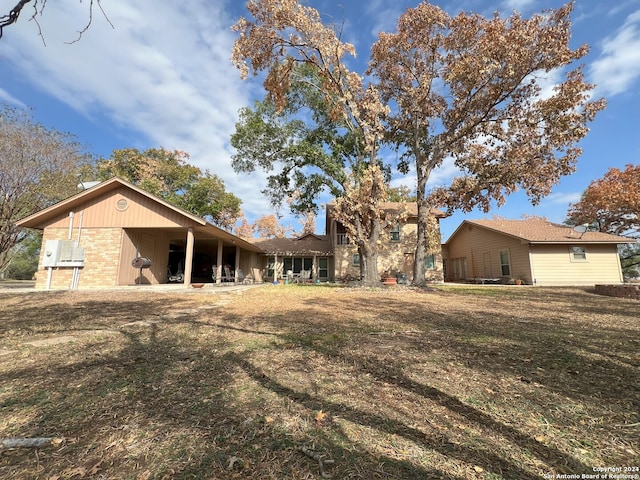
<point x="161" y="76"/>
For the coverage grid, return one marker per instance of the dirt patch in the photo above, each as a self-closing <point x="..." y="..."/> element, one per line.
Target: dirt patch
<point x="45" y="342"/>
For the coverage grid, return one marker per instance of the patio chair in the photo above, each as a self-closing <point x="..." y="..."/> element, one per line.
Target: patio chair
<point x="305" y="276"/>
<point x="227" y="276"/>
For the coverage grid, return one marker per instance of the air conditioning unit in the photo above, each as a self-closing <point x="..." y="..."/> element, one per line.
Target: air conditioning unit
<point x="62" y="253"/>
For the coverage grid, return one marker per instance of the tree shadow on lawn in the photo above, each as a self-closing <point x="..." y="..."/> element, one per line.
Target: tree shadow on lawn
<point x="32" y="317"/>
<point x="172" y="401"/>
<point x="163" y="405"/>
<point x="576" y="358"/>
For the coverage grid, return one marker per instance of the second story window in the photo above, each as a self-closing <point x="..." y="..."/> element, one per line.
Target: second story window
<point x="395" y="233"/>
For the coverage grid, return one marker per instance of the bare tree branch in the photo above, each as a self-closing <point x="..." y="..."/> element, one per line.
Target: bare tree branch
<point x="38" y="9"/>
<point x="12" y="16"/>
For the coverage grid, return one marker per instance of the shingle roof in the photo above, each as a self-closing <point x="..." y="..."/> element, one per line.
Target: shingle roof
<point x="309" y="244"/>
<point x="539" y="230"/>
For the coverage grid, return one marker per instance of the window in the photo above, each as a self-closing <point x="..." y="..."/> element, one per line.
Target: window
<point x="395" y="234"/>
<point x="578" y="254"/>
<point x="505" y="266"/>
<point x="323" y="267"/>
<point x="356" y="259"/>
<point x="271" y="267"/>
<point x="459" y="267"/>
<point x="430" y="262"/>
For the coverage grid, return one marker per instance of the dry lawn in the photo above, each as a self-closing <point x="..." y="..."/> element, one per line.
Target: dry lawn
<point x="300" y="382"/>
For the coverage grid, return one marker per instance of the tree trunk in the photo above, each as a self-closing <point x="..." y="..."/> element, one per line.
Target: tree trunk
<point x="369" y="266"/>
<point x="368" y="250"/>
<point x="419" y="279"/>
<point x="422" y="173"/>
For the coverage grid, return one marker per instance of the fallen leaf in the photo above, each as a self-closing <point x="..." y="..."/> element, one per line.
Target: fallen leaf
<point x="232" y="461"/>
<point x="478" y="469"/>
<point x="320" y="416"/>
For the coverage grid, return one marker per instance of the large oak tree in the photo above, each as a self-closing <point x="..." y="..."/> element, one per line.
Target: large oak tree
<point x="284" y="39"/>
<point x="470" y="88"/>
<point x="465" y="87"/>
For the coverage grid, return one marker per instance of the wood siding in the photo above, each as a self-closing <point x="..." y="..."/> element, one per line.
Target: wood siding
<point x="110" y="210"/>
<point x="553" y="265"/>
<point x="482" y="249"/>
<point x="537" y="264"/>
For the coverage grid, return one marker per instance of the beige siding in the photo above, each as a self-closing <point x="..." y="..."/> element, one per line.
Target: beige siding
<point x="146" y="243"/>
<point x="482" y="248"/>
<point x="553" y="265"/>
<point x="123" y="208"/>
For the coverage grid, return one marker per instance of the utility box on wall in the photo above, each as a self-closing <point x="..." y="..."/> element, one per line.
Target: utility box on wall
<point x="62" y="253"/>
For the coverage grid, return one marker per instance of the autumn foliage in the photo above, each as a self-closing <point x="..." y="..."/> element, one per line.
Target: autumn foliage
<point x="467" y="88"/>
<point x="612" y="203"/>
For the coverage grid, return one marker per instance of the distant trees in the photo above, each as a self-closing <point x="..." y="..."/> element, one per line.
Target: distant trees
<point x="39" y="168"/>
<point x="465" y="87"/>
<point x="611" y="204"/>
<point x="167" y="174"/>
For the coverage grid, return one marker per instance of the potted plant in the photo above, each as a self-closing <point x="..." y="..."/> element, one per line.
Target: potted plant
<point x="388" y="278"/>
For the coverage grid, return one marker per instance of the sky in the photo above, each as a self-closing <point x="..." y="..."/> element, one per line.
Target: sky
<point x="158" y="74"/>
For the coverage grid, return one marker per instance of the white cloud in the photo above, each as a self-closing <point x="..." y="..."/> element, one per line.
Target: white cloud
<point x="163" y="72"/>
<point x="561" y="198"/>
<point x="6" y="97"/>
<point x="619" y="64"/>
<point x="519" y="5"/>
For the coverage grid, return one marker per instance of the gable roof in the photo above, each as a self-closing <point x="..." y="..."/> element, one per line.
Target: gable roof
<point x="540" y="230"/>
<point x="38" y="219"/>
<point x="309" y="244"/>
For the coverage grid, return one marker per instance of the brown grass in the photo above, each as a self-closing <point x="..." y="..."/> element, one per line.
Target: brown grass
<point x="456" y="383"/>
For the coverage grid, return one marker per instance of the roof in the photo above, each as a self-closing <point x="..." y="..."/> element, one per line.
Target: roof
<point x="309" y="244"/>
<point x="38" y="219"/>
<point x="540" y="230"/>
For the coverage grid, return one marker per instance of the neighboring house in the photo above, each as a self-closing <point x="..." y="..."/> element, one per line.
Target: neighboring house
<point x="535" y="250"/>
<point x="91" y="239"/>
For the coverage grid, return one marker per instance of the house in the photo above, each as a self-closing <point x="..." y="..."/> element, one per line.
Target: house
<point x="396" y="250"/>
<point x="332" y="257"/>
<point x="308" y="257"/>
<point x="115" y="234"/>
<point x="535" y="250"/>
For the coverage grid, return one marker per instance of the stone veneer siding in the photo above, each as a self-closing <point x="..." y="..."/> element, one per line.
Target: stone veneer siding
<point x="393" y="256"/>
<point x="102" y="258"/>
<point x="623" y="291"/>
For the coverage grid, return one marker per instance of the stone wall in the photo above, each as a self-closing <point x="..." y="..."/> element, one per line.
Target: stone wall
<point x="623" y="291"/>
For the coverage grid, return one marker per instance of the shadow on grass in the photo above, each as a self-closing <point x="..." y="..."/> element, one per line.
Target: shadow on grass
<point x="178" y="399"/>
